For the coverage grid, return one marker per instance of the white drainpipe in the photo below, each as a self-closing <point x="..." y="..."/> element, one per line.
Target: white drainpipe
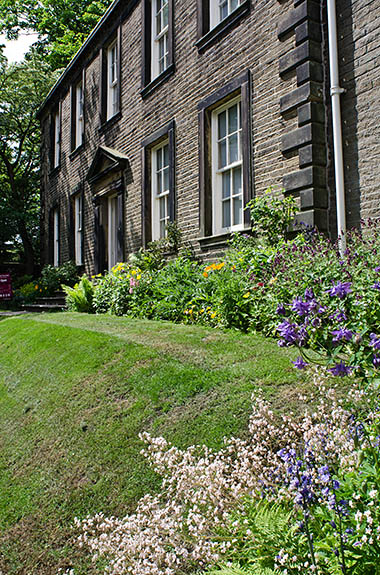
<point x="335" y="92"/>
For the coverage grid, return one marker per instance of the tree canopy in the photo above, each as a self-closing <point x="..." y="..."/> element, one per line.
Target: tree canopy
<point x="62" y="25"/>
<point x="23" y="87"/>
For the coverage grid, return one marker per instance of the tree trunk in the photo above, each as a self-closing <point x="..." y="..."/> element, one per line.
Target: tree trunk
<point x="28" y="248"/>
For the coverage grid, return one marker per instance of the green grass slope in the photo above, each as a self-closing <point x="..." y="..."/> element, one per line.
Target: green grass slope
<point x="75" y="391"/>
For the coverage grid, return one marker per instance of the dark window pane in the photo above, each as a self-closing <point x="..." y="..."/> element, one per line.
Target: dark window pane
<point x="226" y="223"/>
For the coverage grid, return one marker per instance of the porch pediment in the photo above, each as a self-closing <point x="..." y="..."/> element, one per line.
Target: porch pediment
<point x="106" y="162"/>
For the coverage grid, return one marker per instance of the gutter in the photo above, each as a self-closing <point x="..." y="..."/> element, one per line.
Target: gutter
<point x="335" y="92"/>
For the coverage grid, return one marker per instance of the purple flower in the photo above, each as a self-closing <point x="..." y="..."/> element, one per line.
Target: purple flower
<point x="377" y="270"/>
<point x="299" y="306"/>
<point x="341" y="334"/>
<point x="288" y="332"/>
<point x="376" y="361"/>
<point x="374" y="341"/>
<point x="340" y="289"/>
<point x="281" y="309"/>
<point x="340" y="369"/>
<point x="309" y="294"/>
<point x="299" y="363"/>
<point x="335" y="484"/>
<point x="376" y="285"/>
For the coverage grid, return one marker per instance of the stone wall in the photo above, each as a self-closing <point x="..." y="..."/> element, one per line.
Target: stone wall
<point x="282" y="44"/>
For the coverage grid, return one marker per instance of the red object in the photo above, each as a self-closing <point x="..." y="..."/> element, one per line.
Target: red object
<point x="5" y="287"/>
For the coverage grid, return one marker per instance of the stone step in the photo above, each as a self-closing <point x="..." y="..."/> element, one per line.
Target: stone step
<point x="57" y="300"/>
<point x="42" y="307"/>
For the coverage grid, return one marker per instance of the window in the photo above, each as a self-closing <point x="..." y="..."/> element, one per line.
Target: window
<point x="113" y="219"/>
<point x="160" y="35"/>
<point x="55" y="139"/>
<point x="56" y="237"/>
<point x="78" y="223"/>
<point x="225" y="158"/>
<point x="160" y="190"/>
<point x="227" y="168"/>
<point x="157" y="43"/>
<point x="216" y="17"/>
<point x="220" y="9"/>
<point x="112" y="81"/>
<point x="158" y="182"/>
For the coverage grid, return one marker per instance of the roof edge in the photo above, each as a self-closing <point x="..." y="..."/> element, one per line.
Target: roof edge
<point x="110" y="10"/>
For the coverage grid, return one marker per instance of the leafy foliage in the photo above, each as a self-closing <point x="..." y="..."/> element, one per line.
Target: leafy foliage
<point x="22" y="88"/>
<point x="271" y="216"/>
<point x="79" y="298"/>
<point x="62" y="25"/>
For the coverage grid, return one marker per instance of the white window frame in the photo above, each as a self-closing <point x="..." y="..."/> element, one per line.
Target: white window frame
<point x="216" y="7"/>
<point x="56" y="237"/>
<point x="159" y="195"/>
<point x="79" y="119"/>
<point x="159" y="34"/>
<point x="57" y="139"/>
<point x="112" y="80"/>
<point x="78" y="222"/>
<point x="112" y="231"/>
<point x="217" y="173"/>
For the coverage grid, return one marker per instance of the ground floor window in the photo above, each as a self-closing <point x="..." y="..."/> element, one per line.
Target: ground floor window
<point x="56" y="237"/>
<point x="227" y="167"/>
<point x="78" y="222"/>
<point x="112" y="231"/>
<point x="158" y="183"/>
<point x="160" y="190"/>
<point x="225" y="158"/>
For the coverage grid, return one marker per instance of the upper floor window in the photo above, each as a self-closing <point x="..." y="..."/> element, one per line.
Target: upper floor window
<point x="77" y="114"/>
<point x="112" y="80"/>
<point x="56" y="138"/>
<point x="227" y="167"/>
<point x="220" y="9"/>
<point x="157" y="42"/>
<point x="160" y="36"/>
<point x="217" y="17"/>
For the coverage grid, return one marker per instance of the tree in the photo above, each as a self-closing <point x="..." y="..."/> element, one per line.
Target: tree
<point x="62" y="25"/>
<point x="22" y="89"/>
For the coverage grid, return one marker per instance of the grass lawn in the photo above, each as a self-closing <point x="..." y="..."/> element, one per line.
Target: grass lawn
<point x="75" y="391"/>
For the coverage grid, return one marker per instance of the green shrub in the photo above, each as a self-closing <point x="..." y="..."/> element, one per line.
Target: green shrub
<point x="27" y="293"/>
<point x="52" y="277"/>
<point x="271" y="216"/>
<point x="80" y="297"/>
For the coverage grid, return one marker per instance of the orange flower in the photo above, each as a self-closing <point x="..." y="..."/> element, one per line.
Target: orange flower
<point x="205" y="274"/>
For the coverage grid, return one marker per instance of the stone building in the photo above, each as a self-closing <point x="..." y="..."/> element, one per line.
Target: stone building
<point x="185" y="109"/>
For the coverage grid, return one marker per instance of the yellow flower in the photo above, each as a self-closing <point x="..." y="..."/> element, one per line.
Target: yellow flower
<point x="205" y="274"/>
<point x="92" y="277"/>
<point x="246" y="295"/>
<point x="190" y="311"/>
<point x="219" y="266"/>
<point x="36" y="286"/>
<point x="272" y="281"/>
<point x="208" y="309"/>
<point x="201" y="310"/>
<point x="139" y="277"/>
<point x="213" y="315"/>
<point x="133" y="272"/>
